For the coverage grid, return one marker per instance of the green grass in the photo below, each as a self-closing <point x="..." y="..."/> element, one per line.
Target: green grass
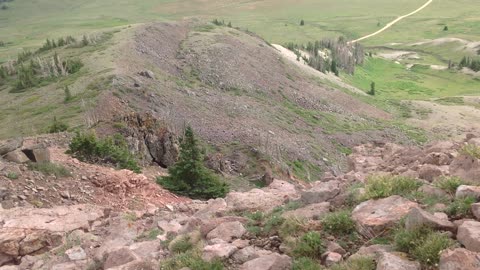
<point x="182" y="245"/>
<point x="471" y="150"/>
<point x="450" y="183"/>
<point x="362" y="263"/>
<point x="338" y="223"/>
<point x="12" y="175"/>
<point x="423" y="244"/>
<point x="191" y="259"/>
<point x="48" y="168"/>
<point x="394" y="81"/>
<point x="305" y="263"/>
<point x="310" y="245"/>
<point x="385" y="186"/>
<point x="460" y="208"/>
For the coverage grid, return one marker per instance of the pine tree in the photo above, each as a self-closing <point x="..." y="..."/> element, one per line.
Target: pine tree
<point x="68" y="94"/>
<point x="302" y="22"/>
<point x="334" y="68"/>
<point x="85" y="40"/>
<point x="445" y="28"/>
<point x="372" y="89"/>
<point x="189" y="176"/>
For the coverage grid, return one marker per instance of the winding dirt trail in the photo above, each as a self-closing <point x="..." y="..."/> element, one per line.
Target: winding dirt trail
<point x="390" y="24"/>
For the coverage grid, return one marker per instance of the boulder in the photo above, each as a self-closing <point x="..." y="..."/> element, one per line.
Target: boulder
<point x="467" y="191"/>
<point x="265" y="200"/>
<point x="37" y="153"/>
<point x="10" y="267"/>
<point x="332" y="258"/>
<point x="466" y="167"/>
<point x="334" y="247"/>
<point x="76" y="254"/>
<point x="459" y="259"/>
<point x="476" y="210"/>
<point x="469" y="235"/>
<point x="373" y="251"/>
<point x="119" y="257"/>
<point x="245" y="254"/>
<point x="374" y="216"/>
<point x="227" y="231"/>
<point x="218" y="251"/>
<point x="429" y="172"/>
<point x="10" y="145"/>
<point x="417" y="218"/>
<point x="440" y="147"/>
<point x="432" y="191"/>
<point x="321" y="192"/>
<point x="31" y="230"/>
<point x="272" y="261"/>
<point x="146" y="249"/>
<point x="17" y="156"/>
<point x="312" y="211"/>
<point x="214" y="208"/>
<point x="390" y="261"/>
<point x="69" y="266"/>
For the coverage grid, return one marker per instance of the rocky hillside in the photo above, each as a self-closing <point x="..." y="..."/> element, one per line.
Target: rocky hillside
<point x="397" y="208"/>
<point x="254" y="109"/>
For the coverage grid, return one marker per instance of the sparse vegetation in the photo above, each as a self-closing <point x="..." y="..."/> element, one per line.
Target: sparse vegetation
<point x="423" y="244"/>
<point x="338" y="223"/>
<point x="305" y="263"/>
<point x="111" y="150"/>
<point x="362" y="263"/>
<point x="12" y="175"/>
<point x="189" y="176"/>
<point x="460" y="208"/>
<point x="191" y="259"/>
<point x="49" y="168"/>
<point x="310" y="245"/>
<point x="450" y="183"/>
<point x="57" y="126"/>
<point x="182" y="245"/>
<point x="471" y="150"/>
<point x="385" y="186"/>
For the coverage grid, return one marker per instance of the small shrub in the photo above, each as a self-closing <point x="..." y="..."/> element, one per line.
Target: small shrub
<point x="149" y="235"/>
<point x="273" y="223"/>
<point x="460" y="208"/>
<point x="302" y="23"/>
<point x="423" y="244"/>
<point x="428" y="252"/>
<point x="191" y="259"/>
<point x="12" y="175"/>
<point x="182" y="245"/>
<point x="338" y="223"/>
<point x="57" y="126"/>
<point x="73" y="65"/>
<point x="305" y="263"/>
<point x="356" y="264"/>
<point x="450" y="184"/>
<point x="68" y="94"/>
<point x="114" y="150"/>
<point x="189" y="176"/>
<point x="471" y="150"/>
<point x="309" y="245"/>
<point x="386" y="186"/>
<point x="291" y="227"/>
<point x="49" y="168"/>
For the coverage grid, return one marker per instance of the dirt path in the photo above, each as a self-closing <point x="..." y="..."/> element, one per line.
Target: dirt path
<point x="390" y="24"/>
<point x="286" y="53"/>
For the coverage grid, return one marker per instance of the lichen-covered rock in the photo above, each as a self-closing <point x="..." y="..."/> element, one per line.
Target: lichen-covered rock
<point x="321" y="192"/>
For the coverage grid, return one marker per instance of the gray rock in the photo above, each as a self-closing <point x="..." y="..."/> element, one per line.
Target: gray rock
<point x="467" y="191"/>
<point x="476" y="210"/>
<point x="17" y="156"/>
<point x="272" y="261"/>
<point x="332" y="258"/>
<point x="119" y="257"/>
<point x="76" y="254"/>
<point x="459" y="259"/>
<point x="417" y="218"/>
<point x="245" y="254"/>
<point x="10" y="145"/>
<point x="218" y="251"/>
<point x="37" y="153"/>
<point x="312" y="211"/>
<point x="321" y="192"/>
<point x="389" y="261"/>
<point x="227" y="231"/>
<point x="469" y="235"/>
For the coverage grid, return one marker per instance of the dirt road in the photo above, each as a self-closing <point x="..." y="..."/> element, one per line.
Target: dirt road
<point x="393" y="22"/>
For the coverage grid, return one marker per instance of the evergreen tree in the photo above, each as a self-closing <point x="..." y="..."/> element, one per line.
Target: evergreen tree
<point x="334" y="68"/>
<point x="302" y="22"/>
<point x="68" y="94"/>
<point x="85" y="40"/>
<point x="61" y="42"/>
<point x="57" y="126"/>
<point x="372" y="89"/>
<point x="189" y="176"/>
<point x="445" y="28"/>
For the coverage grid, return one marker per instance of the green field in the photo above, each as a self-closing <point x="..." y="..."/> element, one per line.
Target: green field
<point x="27" y="23"/>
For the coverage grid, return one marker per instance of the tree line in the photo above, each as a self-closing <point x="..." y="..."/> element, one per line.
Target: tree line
<point x="330" y="54"/>
<point x="473" y="64"/>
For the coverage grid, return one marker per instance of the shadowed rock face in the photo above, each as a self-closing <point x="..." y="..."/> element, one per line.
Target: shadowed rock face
<point x="151" y="139"/>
